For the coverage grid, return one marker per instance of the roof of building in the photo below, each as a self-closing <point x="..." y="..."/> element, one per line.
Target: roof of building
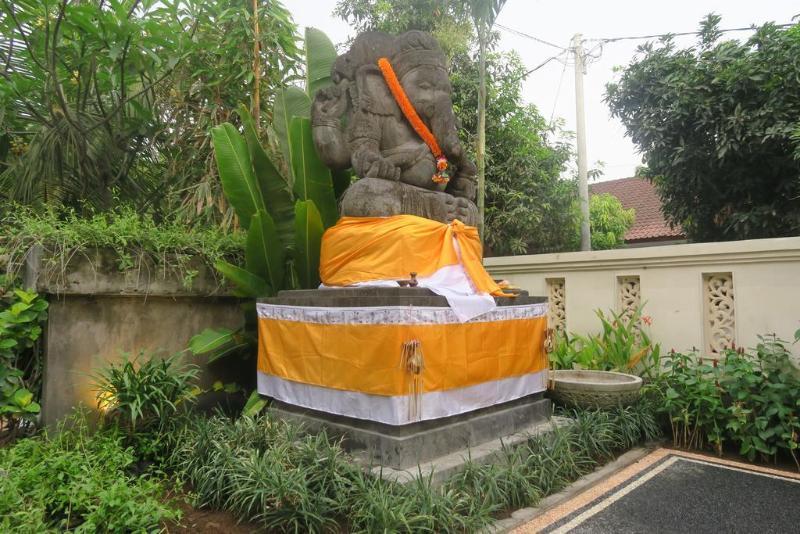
<point x="639" y="194"/>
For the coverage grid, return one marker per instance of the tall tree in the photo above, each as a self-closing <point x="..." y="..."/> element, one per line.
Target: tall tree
<point x="484" y="13"/>
<point x="719" y="126"/>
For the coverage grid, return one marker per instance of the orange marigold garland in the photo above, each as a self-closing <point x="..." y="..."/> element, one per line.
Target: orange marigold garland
<point x="441" y="176"/>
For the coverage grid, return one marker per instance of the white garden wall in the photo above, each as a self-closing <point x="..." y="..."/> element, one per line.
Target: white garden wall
<point x="703" y="295"/>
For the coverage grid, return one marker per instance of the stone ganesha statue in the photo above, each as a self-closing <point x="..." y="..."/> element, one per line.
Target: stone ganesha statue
<point x="357" y="122"/>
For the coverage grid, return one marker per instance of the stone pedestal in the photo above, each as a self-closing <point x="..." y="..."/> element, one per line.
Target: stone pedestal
<point x="403" y="447"/>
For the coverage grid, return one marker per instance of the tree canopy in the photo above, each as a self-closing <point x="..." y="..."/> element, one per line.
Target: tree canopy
<point x="609" y="221"/>
<point x="719" y="126"/>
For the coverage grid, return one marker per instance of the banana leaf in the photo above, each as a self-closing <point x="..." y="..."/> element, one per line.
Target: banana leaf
<point x="275" y="189"/>
<point x="341" y="181"/>
<point x="308" y="239"/>
<point x="264" y="253"/>
<point x="247" y="284"/>
<point x="312" y="178"/>
<point x="289" y="102"/>
<point x="236" y="172"/>
<point x="320" y="55"/>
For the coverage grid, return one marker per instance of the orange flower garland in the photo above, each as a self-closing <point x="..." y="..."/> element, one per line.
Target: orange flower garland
<point x="411" y="114"/>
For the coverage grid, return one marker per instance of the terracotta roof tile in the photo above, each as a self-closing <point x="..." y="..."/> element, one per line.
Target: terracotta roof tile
<point x="639" y="194"/>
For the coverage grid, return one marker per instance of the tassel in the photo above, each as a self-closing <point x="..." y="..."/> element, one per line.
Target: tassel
<point x="413" y="362"/>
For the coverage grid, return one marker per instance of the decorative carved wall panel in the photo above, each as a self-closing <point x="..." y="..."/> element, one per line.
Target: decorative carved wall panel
<point x="557" y="311"/>
<point x="720" y="324"/>
<point x="629" y="295"/>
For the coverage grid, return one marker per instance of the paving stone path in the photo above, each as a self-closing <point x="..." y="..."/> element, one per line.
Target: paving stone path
<point x="676" y="492"/>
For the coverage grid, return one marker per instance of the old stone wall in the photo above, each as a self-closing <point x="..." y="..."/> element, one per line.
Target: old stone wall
<point x="98" y="313"/>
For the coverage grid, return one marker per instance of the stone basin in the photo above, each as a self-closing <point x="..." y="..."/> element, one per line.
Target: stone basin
<point x="594" y="389"/>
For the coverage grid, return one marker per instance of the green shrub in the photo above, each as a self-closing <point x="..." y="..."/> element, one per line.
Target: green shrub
<point x="77" y="481"/>
<point x="748" y="399"/>
<point x="21" y="316"/>
<point x="142" y="396"/>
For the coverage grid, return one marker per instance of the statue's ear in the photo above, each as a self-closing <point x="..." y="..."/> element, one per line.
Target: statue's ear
<point x="373" y="93"/>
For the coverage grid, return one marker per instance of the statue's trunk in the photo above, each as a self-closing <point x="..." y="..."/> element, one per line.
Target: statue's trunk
<point x="443" y="127"/>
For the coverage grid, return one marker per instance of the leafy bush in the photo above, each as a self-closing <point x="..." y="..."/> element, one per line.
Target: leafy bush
<point x="142" y="396"/>
<point x="268" y="471"/>
<point x="147" y="391"/>
<point x="622" y="345"/>
<point x="21" y="316"/>
<point x="77" y="481"/>
<point x="748" y="399"/>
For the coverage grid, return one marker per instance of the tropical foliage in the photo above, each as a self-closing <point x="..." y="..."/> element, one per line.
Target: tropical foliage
<point x="209" y="83"/>
<point x="112" y="101"/>
<point x="724" y="151"/>
<point x="284" y="213"/>
<point x="21" y="316"/>
<point x="78" y="97"/>
<point x="623" y="345"/>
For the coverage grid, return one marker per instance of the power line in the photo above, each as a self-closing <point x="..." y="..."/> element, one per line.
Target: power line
<point x="542" y="64"/>
<point x="527" y="36"/>
<point x="678" y="34"/>
<point x="558" y="93"/>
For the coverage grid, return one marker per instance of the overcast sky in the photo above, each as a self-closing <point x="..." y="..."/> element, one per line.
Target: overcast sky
<point x="552" y="88"/>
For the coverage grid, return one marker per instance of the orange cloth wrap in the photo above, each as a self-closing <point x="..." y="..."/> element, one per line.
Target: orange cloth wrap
<point x="365" y="249"/>
<point x="366" y="357"/>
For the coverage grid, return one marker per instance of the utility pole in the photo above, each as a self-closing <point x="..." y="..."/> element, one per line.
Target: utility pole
<point x="583" y="183"/>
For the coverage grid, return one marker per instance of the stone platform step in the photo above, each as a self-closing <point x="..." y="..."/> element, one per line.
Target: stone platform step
<point x="379" y="296"/>
<point x="407" y="446"/>
<point x="438" y="470"/>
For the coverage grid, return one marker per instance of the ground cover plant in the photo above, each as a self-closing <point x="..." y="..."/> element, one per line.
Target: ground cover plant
<point x="78" y="480"/>
<point x="269" y="472"/>
<point x="749" y="400"/>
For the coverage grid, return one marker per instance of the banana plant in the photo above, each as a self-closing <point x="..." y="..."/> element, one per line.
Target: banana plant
<point x="284" y="214"/>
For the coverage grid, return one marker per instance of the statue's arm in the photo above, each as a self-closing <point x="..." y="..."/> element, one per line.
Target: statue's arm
<point x="367" y="161"/>
<point x="330" y="103"/>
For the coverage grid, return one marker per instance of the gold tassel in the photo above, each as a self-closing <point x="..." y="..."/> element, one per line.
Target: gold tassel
<point x="413" y="362"/>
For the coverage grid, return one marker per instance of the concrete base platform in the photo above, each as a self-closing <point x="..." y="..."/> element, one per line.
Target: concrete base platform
<point x="408" y="446"/>
<point x="440" y="469"/>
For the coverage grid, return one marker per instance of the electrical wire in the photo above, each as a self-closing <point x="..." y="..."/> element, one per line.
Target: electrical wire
<point x="542" y="64"/>
<point x="527" y="36"/>
<point x="678" y="34"/>
<point x="558" y="93"/>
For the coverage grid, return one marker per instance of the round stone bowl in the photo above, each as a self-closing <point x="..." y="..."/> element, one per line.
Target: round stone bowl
<point x="594" y="389"/>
